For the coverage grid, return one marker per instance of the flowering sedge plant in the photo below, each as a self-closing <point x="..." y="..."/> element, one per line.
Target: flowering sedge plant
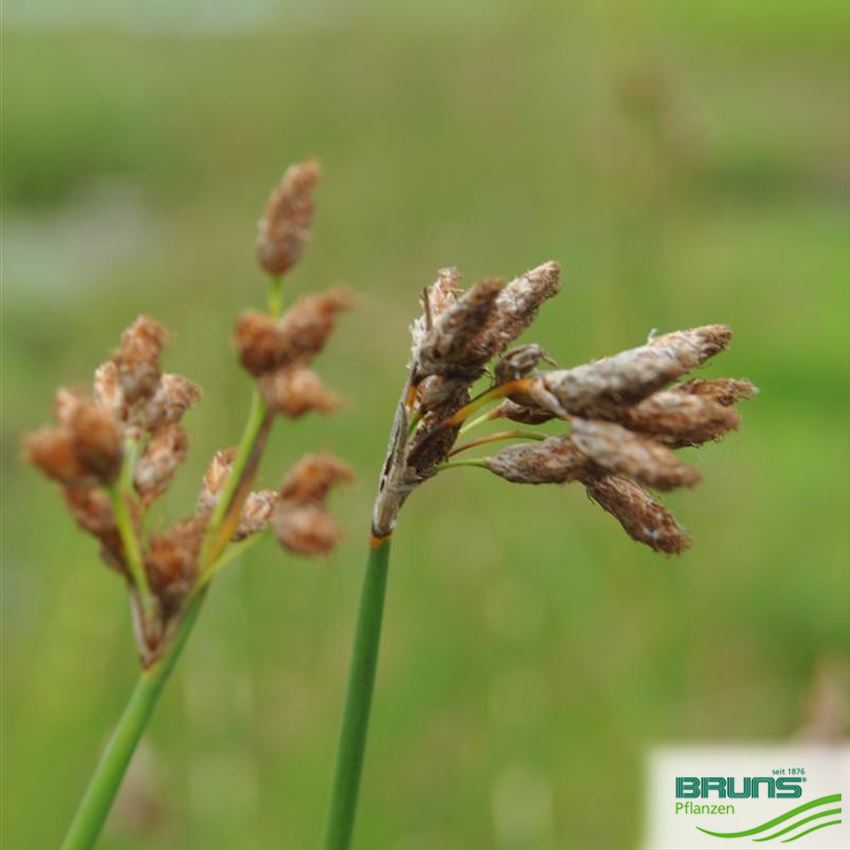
<point x="116" y="449"/>
<point x="623" y="416"/>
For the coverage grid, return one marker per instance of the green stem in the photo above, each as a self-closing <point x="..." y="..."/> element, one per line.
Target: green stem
<point x="100" y="794"/>
<point x="256" y="417"/>
<point x="456" y="464"/>
<point x="119" y="493"/>
<point x="358" y="700"/>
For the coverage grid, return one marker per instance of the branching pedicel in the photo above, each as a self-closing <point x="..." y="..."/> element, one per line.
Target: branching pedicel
<point x="116" y="450"/>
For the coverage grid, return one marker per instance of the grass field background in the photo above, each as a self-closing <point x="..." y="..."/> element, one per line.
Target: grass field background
<point x="687" y="164"/>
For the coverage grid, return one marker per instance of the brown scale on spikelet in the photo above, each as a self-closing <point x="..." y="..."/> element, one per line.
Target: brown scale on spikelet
<point x="285" y="228"/>
<point x="624" y="413"/>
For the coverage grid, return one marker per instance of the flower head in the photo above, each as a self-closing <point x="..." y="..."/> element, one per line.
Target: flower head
<point x="624" y="414"/>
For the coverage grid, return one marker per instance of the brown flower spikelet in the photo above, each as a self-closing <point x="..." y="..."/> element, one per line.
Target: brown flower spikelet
<point x="312" y="477"/>
<point x="214" y="480"/>
<point x="166" y="450"/>
<point x="725" y="391"/>
<point x="256" y="513"/>
<point x="171" y="560"/>
<point x="96" y="438"/>
<point x="107" y="391"/>
<point x="137" y="358"/>
<point x="678" y="418"/>
<point x="265" y="344"/>
<point x="438" y="298"/>
<point x="642" y="517"/>
<point x="615" y="449"/>
<point x="627" y="377"/>
<point x="518" y="303"/>
<point x="453" y="344"/>
<point x="295" y="390"/>
<point x="284" y="230"/>
<point x="52" y="450"/>
<point x="305" y="529"/>
<point x="173" y="396"/>
<point x="555" y="460"/>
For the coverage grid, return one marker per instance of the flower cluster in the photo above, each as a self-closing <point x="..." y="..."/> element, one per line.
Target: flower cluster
<point x="116" y="449"/>
<point x="625" y="413"/>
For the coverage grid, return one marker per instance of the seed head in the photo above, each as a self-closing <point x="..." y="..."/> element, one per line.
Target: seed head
<point x="285" y="228"/>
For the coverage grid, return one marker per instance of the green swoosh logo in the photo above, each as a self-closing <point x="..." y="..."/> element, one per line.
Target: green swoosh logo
<point x="831" y="798"/>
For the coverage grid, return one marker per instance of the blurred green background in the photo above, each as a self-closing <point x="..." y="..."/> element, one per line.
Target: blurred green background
<point x="687" y="164"/>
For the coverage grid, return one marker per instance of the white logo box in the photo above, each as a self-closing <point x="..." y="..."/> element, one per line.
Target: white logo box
<point x="820" y="815"/>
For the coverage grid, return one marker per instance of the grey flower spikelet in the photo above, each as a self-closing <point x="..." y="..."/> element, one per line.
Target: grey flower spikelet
<point x="624" y="414"/>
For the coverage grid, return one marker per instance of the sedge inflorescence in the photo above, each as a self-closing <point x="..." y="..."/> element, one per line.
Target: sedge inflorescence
<point x="115" y="449"/>
<point x="625" y="414"/>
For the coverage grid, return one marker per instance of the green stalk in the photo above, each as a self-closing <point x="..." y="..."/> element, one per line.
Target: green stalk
<point x="100" y="794"/>
<point x="358" y="700"/>
<point x="119" y="493"/>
